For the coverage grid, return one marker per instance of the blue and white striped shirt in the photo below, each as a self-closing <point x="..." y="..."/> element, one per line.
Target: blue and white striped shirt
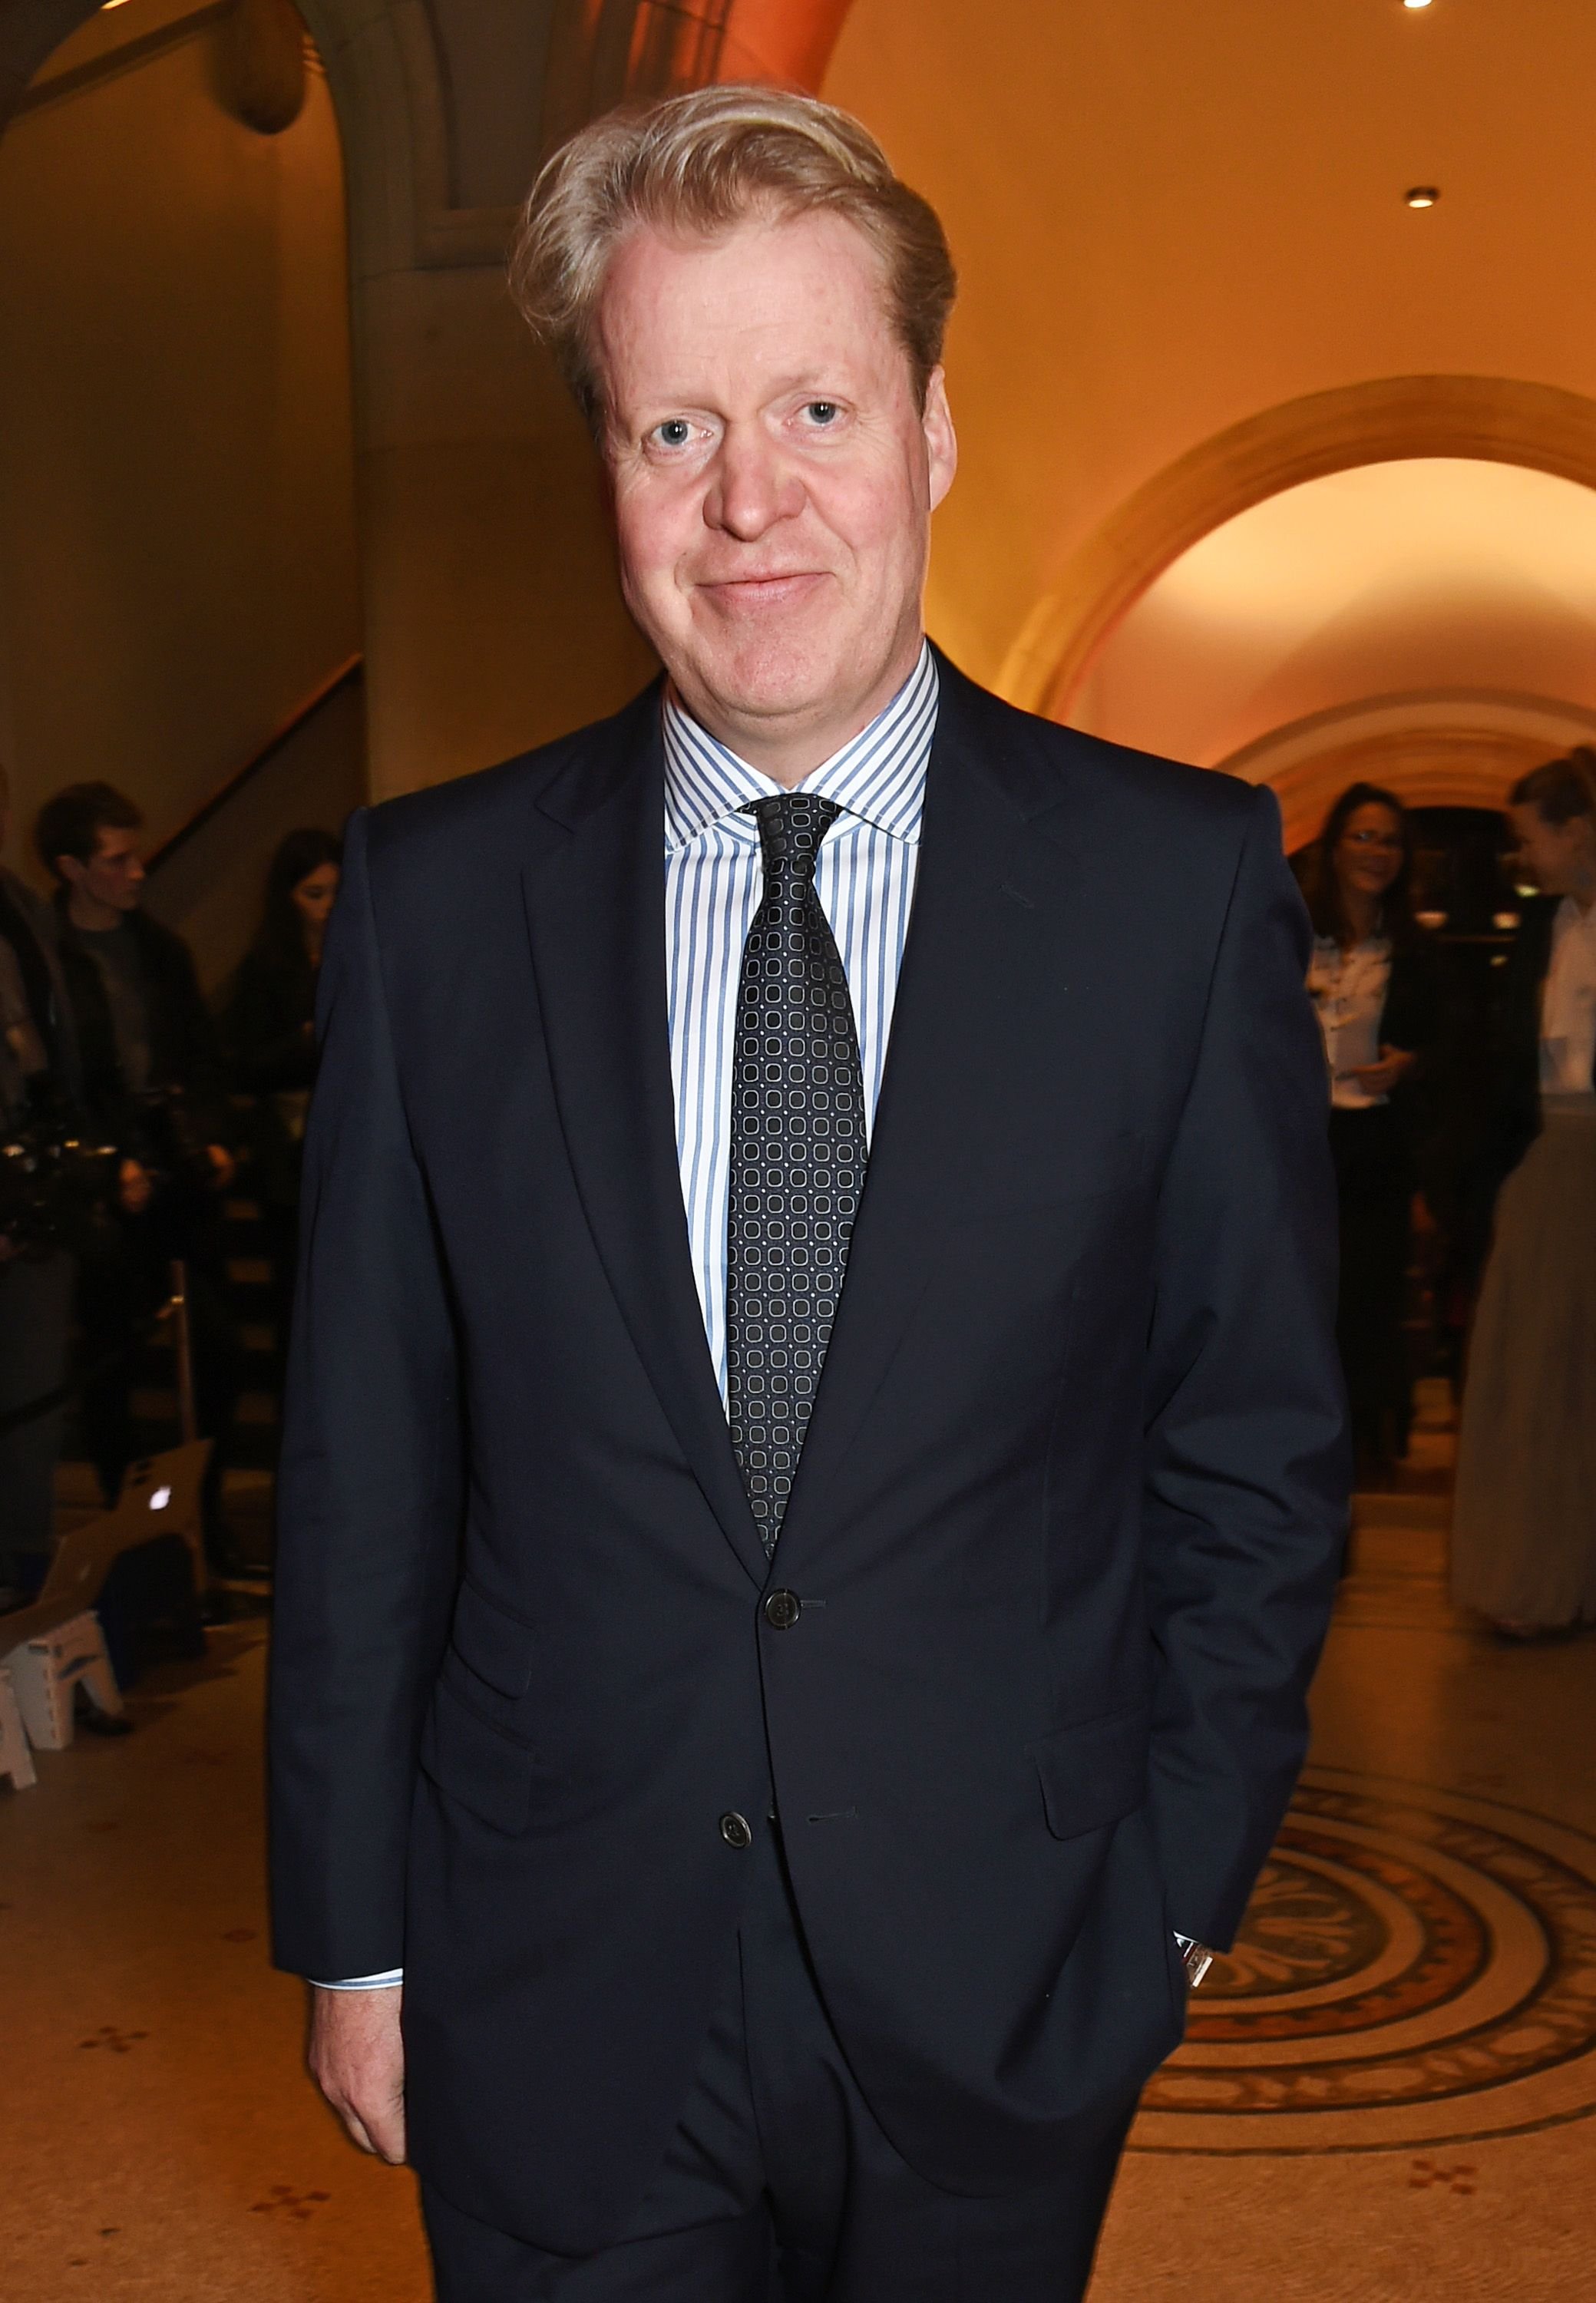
<point x="715" y="878"/>
<point x="714" y="881"/>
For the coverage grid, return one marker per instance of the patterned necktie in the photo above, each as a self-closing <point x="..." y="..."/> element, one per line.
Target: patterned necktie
<point x="797" y="1158"/>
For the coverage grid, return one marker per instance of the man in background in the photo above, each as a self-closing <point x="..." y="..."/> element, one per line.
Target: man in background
<point x="39" y="1081"/>
<point x="153" y="1084"/>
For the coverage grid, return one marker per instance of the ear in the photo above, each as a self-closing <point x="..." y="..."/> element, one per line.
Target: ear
<point x="942" y="442"/>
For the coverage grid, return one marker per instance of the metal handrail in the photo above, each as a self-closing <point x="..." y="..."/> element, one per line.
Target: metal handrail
<point x="349" y="670"/>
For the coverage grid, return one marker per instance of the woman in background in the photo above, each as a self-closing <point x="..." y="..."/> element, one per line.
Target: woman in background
<point x="1523" y="1531"/>
<point x="271" y="1033"/>
<point x="1373" y="985"/>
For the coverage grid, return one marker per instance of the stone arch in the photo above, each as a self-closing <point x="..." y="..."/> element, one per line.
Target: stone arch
<point x="602" y="54"/>
<point x="388" y="78"/>
<point x="382" y="68"/>
<point x="1444" y="748"/>
<point x="1493" y="419"/>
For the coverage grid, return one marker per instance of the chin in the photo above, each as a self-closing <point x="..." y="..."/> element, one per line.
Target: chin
<point x="774" y="681"/>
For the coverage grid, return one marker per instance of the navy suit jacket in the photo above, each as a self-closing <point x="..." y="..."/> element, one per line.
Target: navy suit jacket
<point x="1065" y="1529"/>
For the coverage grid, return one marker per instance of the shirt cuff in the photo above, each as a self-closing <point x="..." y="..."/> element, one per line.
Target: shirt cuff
<point x="389" y="1980"/>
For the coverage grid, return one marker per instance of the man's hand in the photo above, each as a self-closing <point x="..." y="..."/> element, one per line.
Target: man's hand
<point x="357" y="2058"/>
<point x="1380" y="1078"/>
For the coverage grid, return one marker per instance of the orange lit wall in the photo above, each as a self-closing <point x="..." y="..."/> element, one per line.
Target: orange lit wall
<point x="177" y="556"/>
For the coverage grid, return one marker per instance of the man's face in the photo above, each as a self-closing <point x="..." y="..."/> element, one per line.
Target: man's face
<point x="1558" y="857"/>
<point x="113" y="874"/>
<point x="773" y="477"/>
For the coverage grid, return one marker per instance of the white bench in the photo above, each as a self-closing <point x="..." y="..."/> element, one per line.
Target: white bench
<point x="46" y="1673"/>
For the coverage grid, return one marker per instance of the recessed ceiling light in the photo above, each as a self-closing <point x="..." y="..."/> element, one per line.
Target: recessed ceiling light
<point x="1415" y="3"/>
<point x="1422" y="196"/>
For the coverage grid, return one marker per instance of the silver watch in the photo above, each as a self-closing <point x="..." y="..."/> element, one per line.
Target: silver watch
<point x="1195" y="1958"/>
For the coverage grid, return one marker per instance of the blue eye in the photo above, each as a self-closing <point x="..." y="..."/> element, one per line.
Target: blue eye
<point x="674" y="433"/>
<point x="822" y="411"/>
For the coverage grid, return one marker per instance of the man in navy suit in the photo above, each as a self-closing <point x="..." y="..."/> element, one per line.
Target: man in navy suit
<point x="814" y="1474"/>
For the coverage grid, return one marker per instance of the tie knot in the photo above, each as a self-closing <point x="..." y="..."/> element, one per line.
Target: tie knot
<point x="792" y="828"/>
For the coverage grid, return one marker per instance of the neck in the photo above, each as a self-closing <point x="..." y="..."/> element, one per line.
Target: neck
<point x="788" y="751"/>
<point x="87" y="911"/>
<point x="1362" y="913"/>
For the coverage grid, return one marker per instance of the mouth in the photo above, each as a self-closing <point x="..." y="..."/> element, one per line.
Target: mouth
<point x="763" y="592"/>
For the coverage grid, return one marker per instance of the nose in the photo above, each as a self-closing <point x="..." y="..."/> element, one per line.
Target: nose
<point x="753" y="487"/>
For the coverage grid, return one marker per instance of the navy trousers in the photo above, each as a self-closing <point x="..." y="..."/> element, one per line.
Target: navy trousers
<point x="780" y="2186"/>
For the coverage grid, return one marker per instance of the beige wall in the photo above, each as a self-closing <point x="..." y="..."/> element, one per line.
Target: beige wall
<point x="177" y="549"/>
<point x="491" y="615"/>
<point x="494" y="621"/>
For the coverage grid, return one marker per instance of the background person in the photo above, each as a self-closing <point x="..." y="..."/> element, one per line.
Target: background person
<point x="1375" y="987"/>
<point x="1524" y="1527"/>
<point x="153" y="1084"/>
<point x="39" y="1077"/>
<point x="270" y="1029"/>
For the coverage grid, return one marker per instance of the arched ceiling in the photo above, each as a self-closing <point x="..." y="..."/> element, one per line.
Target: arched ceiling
<point x="1171" y="219"/>
<point x="1424" y="576"/>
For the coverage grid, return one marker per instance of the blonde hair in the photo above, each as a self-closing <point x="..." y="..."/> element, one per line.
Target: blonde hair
<point x="699" y="165"/>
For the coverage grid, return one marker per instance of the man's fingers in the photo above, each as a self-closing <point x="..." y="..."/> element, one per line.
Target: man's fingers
<point x="388" y="2134"/>
<point x="377" y="2127"/>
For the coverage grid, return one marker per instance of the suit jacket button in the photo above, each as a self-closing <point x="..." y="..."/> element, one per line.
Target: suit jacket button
<point x="783" y="1610"/>
<point x="735" y="1831"/>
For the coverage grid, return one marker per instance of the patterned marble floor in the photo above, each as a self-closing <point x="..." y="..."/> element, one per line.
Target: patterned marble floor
<point x="1387" y="2091"/>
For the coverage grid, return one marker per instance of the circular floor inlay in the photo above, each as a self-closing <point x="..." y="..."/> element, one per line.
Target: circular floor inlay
<point x="1414" y="1966"/>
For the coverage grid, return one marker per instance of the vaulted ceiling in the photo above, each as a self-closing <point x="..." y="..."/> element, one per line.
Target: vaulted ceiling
<point x="1170" y="221"/>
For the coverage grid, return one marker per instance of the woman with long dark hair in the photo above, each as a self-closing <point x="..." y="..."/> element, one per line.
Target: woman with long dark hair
<point x="1524" y="1526"/>
<point x="271" y="1034"/>
<point x="1375" y="987"/>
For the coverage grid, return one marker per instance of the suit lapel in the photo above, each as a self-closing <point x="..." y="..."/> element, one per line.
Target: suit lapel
<point x="986" y="907"/>
<point x="595" y="914"/>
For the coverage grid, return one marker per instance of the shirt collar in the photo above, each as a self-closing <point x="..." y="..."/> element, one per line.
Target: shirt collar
<point x="880" y="776"/>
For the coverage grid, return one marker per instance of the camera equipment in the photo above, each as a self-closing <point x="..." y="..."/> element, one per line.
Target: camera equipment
<point x="55" y="1189"/>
